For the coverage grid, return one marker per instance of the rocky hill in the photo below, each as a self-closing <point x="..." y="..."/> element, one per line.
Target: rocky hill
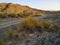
<point x="16" y="8"/>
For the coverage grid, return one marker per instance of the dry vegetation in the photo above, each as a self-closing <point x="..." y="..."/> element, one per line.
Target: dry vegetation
<point x="35" y="24"/>
<point x="12" y="15"/>
<point x="29" y="25"/>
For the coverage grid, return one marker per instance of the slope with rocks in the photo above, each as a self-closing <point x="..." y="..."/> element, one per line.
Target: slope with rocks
<point x="16" y="8"/>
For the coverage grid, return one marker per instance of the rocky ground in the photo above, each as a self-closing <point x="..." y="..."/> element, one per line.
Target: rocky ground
<point x="37" y="38"/>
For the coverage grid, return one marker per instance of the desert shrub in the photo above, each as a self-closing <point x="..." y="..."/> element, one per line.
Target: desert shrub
<point x="9" y="34"/>
<point x="15" y="35"/>
<point x="3" y="15"/>
<point x="13" y="15"/>
<point x="48" y="26"/>
<point x="1" y="42"/>
<point x="21" y="14"/>
<point x="36" y="24"/>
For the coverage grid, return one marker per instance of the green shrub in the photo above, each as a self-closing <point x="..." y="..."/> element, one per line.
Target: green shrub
<point x="3" y="15"/>
<point x="21" y="15"/>
<point x="1" y="42"/>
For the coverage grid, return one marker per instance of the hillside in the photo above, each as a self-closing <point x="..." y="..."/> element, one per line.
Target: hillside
<point x="16" y="8"/>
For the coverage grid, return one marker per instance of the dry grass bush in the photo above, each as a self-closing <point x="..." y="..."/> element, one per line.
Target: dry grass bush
<point x="33" y="24"/>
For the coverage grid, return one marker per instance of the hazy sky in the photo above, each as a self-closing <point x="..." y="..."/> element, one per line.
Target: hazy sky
<point x="39" y="4"/>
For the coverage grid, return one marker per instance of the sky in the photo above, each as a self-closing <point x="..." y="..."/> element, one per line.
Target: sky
<point x="52" y="5"/>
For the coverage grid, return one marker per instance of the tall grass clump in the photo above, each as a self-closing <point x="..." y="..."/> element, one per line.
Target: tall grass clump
<point x="32" y="24"/>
